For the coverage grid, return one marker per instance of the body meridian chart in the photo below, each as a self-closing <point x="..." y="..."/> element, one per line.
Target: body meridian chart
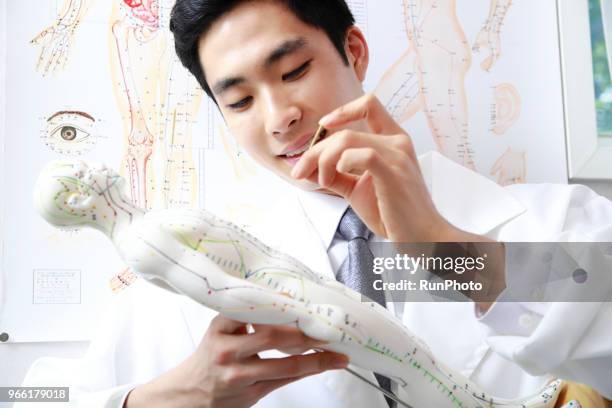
<point x="158" y="100"/>
<point x="430" y="75"/>
<point x="221" y="266"/>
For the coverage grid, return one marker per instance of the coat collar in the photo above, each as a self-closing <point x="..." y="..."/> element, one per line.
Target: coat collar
<point x="465" y="198"/>
<point x="323" y="212"/>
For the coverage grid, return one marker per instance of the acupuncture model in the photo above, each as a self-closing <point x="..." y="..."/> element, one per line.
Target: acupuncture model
<point x="214" y="262"/>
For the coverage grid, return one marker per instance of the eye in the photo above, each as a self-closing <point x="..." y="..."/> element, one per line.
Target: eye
<point x="241" y="103"/>
<point x="296" y="73"/>
<point x="70" y="132"/>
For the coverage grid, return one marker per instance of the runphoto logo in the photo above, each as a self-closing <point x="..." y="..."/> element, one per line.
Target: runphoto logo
<point x="411" y="264"/>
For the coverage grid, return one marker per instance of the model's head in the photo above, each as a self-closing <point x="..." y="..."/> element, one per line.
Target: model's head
<point x="274" y="68"/>
<point x="72" y="193"/>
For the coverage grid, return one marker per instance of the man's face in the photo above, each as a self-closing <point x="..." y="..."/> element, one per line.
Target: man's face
<point x="274" y="77"/>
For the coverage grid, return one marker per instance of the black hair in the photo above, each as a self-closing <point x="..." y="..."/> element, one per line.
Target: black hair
<point x="190" y="19"/>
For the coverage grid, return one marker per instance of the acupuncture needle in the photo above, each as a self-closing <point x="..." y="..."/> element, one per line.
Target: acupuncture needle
<point x="387" y="393"/>
<point x="321" y="132"/>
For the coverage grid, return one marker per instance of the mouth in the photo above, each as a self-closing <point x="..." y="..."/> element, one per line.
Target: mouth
<point x="304" y="143"/>
<point x="293" y="152"/>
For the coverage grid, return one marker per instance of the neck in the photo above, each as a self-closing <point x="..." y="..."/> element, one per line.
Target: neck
<point x="116" y="213"/>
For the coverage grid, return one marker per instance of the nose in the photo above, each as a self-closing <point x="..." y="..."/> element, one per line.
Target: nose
<point x="282" y="114"/>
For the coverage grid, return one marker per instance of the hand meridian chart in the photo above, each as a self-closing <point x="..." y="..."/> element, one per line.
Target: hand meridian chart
<point x="56" y="40"/>
<point x="489" y="36"/>
<point x="217" y="264"/>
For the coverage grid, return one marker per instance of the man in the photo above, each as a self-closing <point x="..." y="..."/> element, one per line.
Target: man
<point x="278" y="69"/>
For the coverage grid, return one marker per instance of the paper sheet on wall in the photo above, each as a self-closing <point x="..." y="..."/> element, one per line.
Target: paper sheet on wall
<point x="99" y="80"/>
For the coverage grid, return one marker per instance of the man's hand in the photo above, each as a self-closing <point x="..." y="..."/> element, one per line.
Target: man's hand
<point x="225" y="370"/>
<point x="377" y="173"/>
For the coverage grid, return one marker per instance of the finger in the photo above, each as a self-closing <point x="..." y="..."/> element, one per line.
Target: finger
<point x="36" y="40"/>
<point x="275" y="338"/>
<point x="51" y="58"/>
<point x="358" y="160"/>
<point x="366" y="107"/>
<point x="226" y="325"/>
<point x="308" y="163"/>
<point x="324" y="155"/>
<point x="60" y="54"/>
<point x="342" y="184"/>
<point x="329" y="154"/>
<point x="43" y="59"/>
<point x="366" y="206"/>
<point x="262" y="388"/>
<point x="497" y="165"/>
<point x="295" y="366"/>
<point x="55" y="62"/>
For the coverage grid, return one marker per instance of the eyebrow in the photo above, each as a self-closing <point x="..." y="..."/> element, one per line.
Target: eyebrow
<point x="84" y="114"/>
<point x="286" y="48"/>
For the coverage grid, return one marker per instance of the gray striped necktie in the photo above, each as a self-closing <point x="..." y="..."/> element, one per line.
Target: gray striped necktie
<point x="356" y="270"/>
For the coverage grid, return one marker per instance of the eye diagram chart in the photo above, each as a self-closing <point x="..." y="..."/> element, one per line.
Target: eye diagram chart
<point x="70" y="133"/>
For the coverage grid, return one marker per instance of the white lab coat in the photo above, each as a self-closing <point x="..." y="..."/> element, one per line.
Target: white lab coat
<point x="510" y="352"/>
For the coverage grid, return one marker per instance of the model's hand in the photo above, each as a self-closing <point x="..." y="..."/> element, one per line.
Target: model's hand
<point x="225" y="370"/>
<point x="377" y="172"/>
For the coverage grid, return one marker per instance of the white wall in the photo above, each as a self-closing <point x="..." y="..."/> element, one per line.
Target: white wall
<point x="2" y="132"/>
<point x="15" y="358"/>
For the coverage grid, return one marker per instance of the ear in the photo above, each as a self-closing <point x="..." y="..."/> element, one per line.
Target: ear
<point x="507" y="104"/>
<point x="356" y="49"/>
<point x="78" y="201"/>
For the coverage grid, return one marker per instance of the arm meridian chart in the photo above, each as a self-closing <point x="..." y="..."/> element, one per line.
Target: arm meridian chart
<point x="219" y="265"/>
<point x="489" y="36"/>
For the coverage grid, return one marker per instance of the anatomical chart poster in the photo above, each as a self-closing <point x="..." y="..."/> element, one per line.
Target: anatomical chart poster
<point x="99" y="80"/>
